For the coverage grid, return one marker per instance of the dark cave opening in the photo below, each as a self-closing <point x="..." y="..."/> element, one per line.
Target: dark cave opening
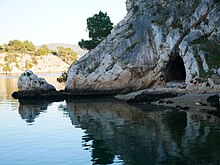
<point x="175" y="70"/>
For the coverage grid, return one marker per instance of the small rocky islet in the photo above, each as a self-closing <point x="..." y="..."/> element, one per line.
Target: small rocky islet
<point x="160" y="49"/>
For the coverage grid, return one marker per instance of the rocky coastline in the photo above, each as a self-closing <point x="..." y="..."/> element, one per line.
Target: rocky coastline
<point x="205" y="102"/>
<point x="33" y="88"/>
<point x="162" y="52"/>
<point x="157" y="42"/>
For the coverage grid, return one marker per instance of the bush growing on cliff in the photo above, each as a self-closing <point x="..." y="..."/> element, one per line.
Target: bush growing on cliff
<point x="62" y="78"/>
<point x="98" y="26"/>
<point x="211" y="48"/>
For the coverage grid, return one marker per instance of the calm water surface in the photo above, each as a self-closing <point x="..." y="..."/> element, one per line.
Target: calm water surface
<point x="84" y="132"/>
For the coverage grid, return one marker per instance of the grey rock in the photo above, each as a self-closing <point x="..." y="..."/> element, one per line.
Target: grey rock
<point x="218" y="71"/>
<point x="211" y="82"/>
<point x="28" y="81"/>
<point x="148" y="96"/>
<point x="142" y="50"/>
<point x="130" y="4"/>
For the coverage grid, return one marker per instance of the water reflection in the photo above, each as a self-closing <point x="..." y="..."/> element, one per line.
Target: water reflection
<point x="118" y="133"/>
<point x="29" y="110"/>
<point x="145" y="137"/>
<point x="7" y="87"/>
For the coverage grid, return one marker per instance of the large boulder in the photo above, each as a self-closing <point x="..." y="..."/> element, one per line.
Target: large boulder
<point x="158" y="41"/>
<point x="28" y="81"/>
<point x="31" y="87"/>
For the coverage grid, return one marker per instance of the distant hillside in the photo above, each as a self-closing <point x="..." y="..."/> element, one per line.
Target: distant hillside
<point x="75" y="48"/>
<point x="19" y="62"/>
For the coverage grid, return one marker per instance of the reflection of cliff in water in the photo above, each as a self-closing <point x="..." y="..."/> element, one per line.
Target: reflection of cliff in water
<point x="29" y="110"/>
<point x="115" y="129"/>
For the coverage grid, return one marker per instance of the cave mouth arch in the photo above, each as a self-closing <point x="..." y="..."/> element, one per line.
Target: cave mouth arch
<point x="175" y="70"/>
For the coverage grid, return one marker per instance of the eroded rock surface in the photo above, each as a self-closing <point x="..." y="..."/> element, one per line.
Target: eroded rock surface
<point x="158" y="41"/>
<point x="28" y="81"/>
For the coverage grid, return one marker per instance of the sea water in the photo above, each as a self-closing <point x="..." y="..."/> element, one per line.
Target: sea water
<point x="102" y="131"/>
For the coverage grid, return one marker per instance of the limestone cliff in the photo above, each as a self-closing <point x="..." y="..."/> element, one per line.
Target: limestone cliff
<point x="157" y="41"/>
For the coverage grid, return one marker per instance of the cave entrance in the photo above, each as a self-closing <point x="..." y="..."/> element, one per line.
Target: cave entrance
<point x="175" y="70"/>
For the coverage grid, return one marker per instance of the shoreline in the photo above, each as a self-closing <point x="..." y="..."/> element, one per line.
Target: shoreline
<point x="40" y="73"/>
<point x="181" y="100"/>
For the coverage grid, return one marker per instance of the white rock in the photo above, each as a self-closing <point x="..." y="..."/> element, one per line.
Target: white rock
<point x="218" y="71"/>
<point x="211" y="82"/>
<point x="29" y="81"/>
<point x="138" y="59"/>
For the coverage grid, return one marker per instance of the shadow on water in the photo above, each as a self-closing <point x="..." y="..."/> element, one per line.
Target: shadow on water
<point x="117" y="132"/>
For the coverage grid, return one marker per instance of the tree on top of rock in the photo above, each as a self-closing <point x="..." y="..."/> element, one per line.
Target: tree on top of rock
<point x="98" y="26"/>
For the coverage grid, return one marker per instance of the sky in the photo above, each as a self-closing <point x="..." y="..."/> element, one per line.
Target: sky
<point x="53" y="21"/>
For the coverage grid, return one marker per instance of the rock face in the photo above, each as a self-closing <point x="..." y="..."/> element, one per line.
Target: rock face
<point x="158" y="41"/>
<point x="130" y="4"/>
<point x="28" y="82"/>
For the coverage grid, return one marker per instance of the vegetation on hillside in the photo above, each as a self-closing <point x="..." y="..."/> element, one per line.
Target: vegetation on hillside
<point x="16" y="46"/>
<point x="98" y="26"/>
<point x="27" y="47"/>
<point x="67" y="54"/>
<point x="43" y="50"/>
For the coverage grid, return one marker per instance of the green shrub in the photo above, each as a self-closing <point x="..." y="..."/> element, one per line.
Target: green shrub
<point x="131" y="26"/>
<point x="136" y="8"/>
<point x="99" y="27"/>
<point x="11" y="57"/>
<point x="43" y="50"/>
<point x="67" y="55"/>
<point x="34" y="60"/>
<point x="63" y="77"/>
<point x="28" y="65"/>
<point x="212" y="54"/>
<point x="6" y="68"/>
